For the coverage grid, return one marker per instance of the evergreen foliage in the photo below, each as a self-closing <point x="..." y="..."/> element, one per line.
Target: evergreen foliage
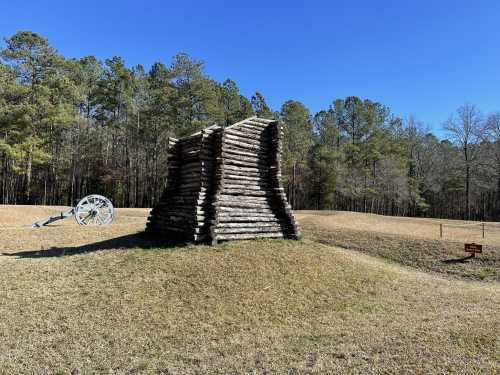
<point x="70" y="127"/>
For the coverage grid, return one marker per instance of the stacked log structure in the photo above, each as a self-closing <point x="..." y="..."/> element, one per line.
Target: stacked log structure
<point x="224" y="184"/>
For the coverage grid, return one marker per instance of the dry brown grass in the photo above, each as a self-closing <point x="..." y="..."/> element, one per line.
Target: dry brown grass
<point x="16" y="233"/>
<point x="454" y="230"/>
<point x="441" y="256"/>
<point x="125" y="306"/>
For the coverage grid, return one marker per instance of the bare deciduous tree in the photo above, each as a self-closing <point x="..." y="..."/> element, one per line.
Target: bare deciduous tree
<point x="466" y="130"/>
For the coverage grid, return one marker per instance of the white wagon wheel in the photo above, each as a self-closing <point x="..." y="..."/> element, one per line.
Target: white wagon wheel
<point x="94" y="210"/>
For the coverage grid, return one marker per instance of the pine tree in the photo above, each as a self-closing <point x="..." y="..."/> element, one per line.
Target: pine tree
<point x="298" y="139"/>
<point x="43" y="106"/>
<point x="260" y="107"/>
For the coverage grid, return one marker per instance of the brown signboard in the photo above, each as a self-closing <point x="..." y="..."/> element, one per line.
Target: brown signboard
<point x="473" y="248"/>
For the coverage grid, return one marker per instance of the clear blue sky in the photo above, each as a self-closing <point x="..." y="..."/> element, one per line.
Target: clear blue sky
<point x="420" y="57"/>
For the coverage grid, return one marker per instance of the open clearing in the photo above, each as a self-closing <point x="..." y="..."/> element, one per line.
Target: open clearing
<point x="454" y="230"/>
<point x="408" y="241"/>
<point x="77" y="300"/>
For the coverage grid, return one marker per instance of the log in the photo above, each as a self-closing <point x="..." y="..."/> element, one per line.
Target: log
<point x="276" y="229"/>
<point x="266" y="121"/>
<point x="245" y="163"/>
<point x="181" y="213"/>
<point x="248" y="125"/>
<point x="246" y="192"/>
<point x="247" y="134"/>
<point x="224" y="198"/>
<point x="245" y="225"/>
<point x="198" y="209"/>
<point x="248" y="219"/>
<point x="244" y="145"/>
<point x="241" y="151"/>
<point x="249" y="170"/>
<point x="225" y="184"/>
<point x="247" y="140"/>
<point x="243" y="130"/>
<point x="257" y="123"/>
<point x="248" y="236"/>
<point x="242" y="186"/>
<point x="243" y="213"/>
<point x="254" y="179"/>
<point x="243" y="205"/>
<point x="238" y="174"/>
<point x="185" y="230"/>
<point x="234" y="211"/>
<point x="255" y="160"/>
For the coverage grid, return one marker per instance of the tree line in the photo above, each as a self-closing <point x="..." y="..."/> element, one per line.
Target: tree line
<point x="74" y="126"/>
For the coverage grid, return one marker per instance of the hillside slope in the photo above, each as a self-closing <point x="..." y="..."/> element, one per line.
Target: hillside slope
<point x="407" y="241"/>
<point x="77" y="300"/>
<point x="270" y="306"/>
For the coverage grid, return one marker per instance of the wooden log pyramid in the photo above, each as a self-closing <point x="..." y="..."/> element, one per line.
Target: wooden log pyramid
<point x="224" y="184"/>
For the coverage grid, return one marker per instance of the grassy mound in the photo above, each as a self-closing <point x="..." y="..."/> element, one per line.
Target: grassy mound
<point x="445" y="257"/>
<point x="246" y="307"/>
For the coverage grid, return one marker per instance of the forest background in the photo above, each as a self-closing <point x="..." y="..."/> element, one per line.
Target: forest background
<point x="74" y="126"/>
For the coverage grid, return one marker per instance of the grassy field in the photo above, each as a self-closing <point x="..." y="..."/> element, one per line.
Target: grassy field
<point x="410" y="242"/>
<point x="419" y="228"/>
<point x="77" y="300"/>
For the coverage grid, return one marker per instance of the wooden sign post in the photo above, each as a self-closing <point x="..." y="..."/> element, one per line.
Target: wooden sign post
<point x="473" y="248"/>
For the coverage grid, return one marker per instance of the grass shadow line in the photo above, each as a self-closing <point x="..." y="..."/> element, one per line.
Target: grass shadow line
<point x="131" y="241"/>
<point x="459" y="260"/>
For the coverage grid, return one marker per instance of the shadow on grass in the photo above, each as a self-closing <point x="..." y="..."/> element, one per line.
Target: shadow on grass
<point x="131" y="241"/>
<point x="459" y="260"/>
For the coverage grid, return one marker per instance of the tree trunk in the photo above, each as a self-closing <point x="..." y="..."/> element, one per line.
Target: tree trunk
<point x="136" y="196"/>
<point x="498" y="191"/>
<point x="28" y="174"/>
<point x="467" y="192"/>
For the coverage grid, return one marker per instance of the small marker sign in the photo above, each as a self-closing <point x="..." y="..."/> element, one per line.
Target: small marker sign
<point x="473" y="248"/>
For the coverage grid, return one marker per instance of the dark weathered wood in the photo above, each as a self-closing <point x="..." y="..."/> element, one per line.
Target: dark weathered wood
<point x="225" y="184"/>
<point x="253" y="127"/>
<point x="228" y="217"/>
<point x="248" y="219"/>
<point x="247" y="192"/>
<point x="255" y="160"/>
<point x="231" y="198"/>
<point x="246" y="145"/>
<point x="242" y="131"/>
<point x="234" y="211"/>
<point x="253" y="229"/>
<point x="243" y="205"/>
<point x="241" y="151"/>
<point x="254" y="179"/>
<point x="248" y="236"/>
<point x="260" y="123"/>
<point x="246" y="163"/>
<point x="246" y="185"/>
<point x="279" y="202"/>
<point x="246" y="134"/>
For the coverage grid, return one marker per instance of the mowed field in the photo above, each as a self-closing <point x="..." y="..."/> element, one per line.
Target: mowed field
<point x="453" y="230"/>
<point x="93" y="300"/>
<point x="412" y="242"/>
